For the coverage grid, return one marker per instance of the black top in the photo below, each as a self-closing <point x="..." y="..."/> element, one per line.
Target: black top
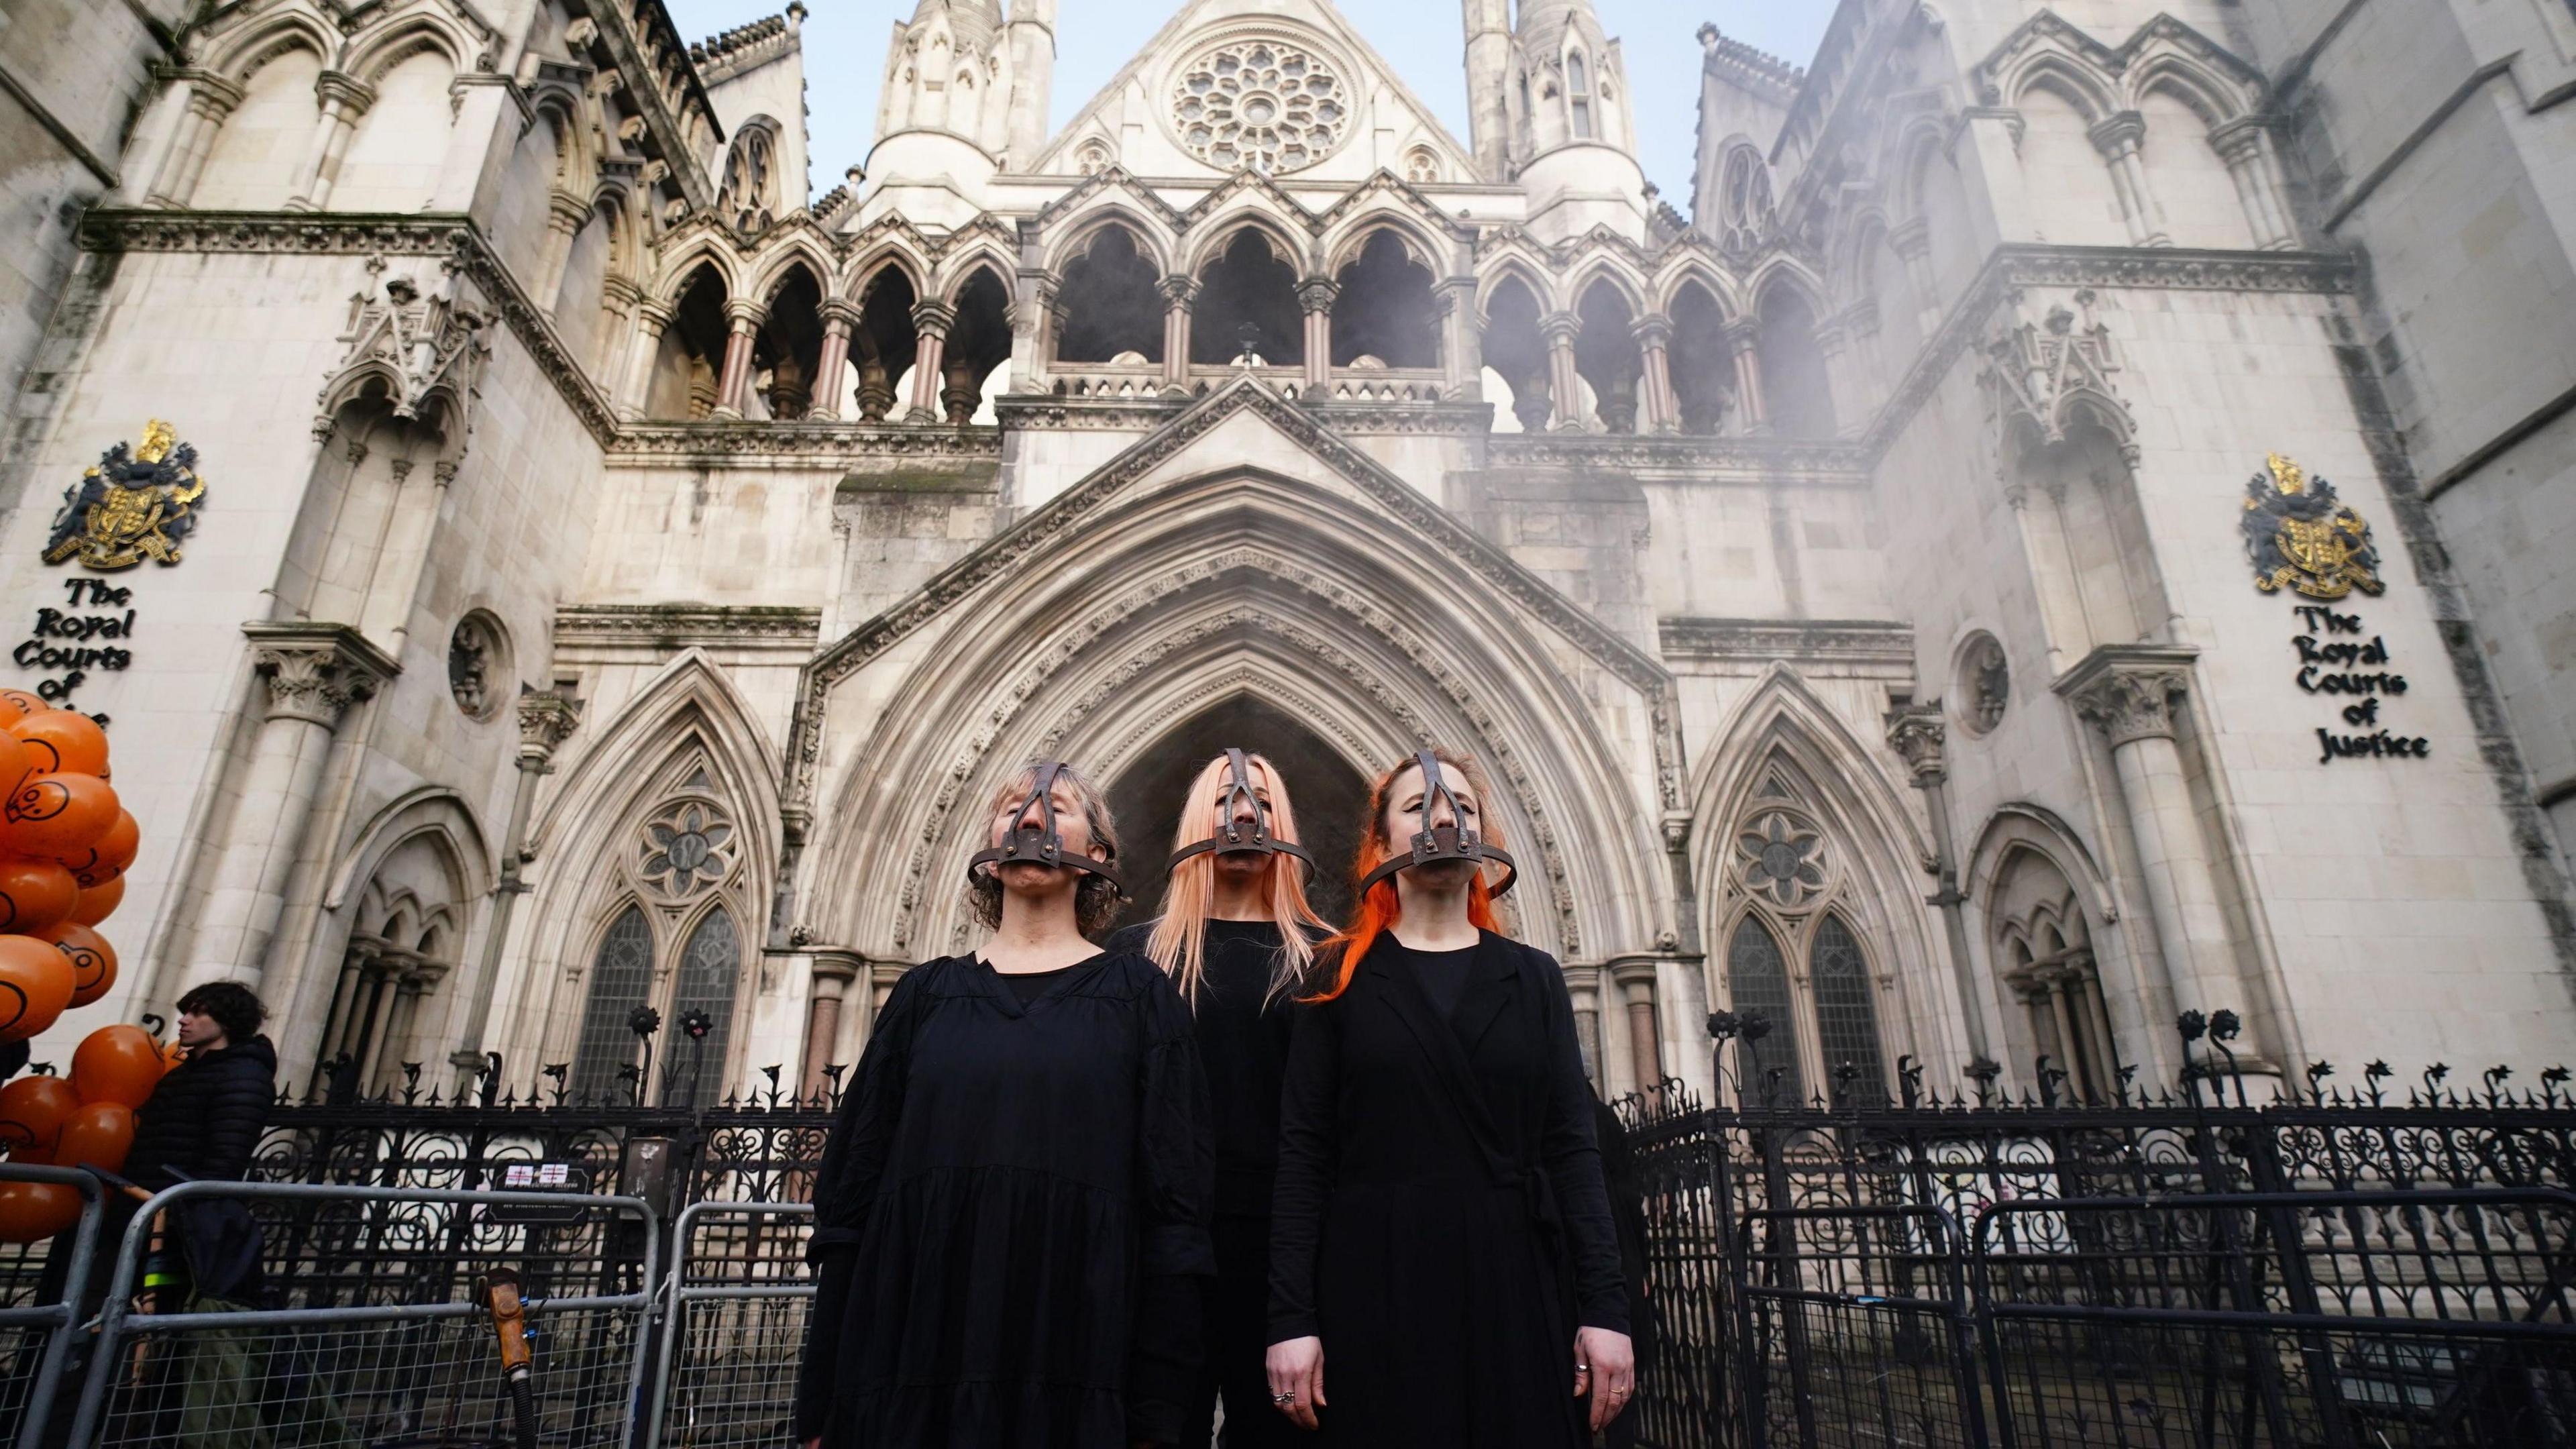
<point x="1008" y="1216"/>
<point x="1028" y="986"/>
<point x="204" y="1116"/>
<point x="1440" y="1220"/>
<point x="1243" y="1038"/>
<point x="1443" y="974"/>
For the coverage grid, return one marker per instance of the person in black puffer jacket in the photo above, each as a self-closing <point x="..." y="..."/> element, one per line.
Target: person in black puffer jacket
<point x="205" y="1117"/>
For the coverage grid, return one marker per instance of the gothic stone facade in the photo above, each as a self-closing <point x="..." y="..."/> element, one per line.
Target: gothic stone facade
<point x="622" y="576"/>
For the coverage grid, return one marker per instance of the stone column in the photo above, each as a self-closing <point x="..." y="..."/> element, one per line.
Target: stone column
<point x="210" y="99"/>
<point x="1912" y="244"/>
<point x="344" y="99"/>
<point x="834" y="971"/>
<point x="840" y="315"/>
<point x="1564" y="379"/>
<point x="652" y="319"/>
<point x="565" y="215"/>
<point x="1833" y="341"/>
<point x="1916" y="733"/>
<point x="733" y="383"/>
<point x="307" y="677"/>
<point x="2242" y="144"/>
<point x="1462" y="361"/>
<point x="1654" y="334"/>
<point x="546" y="720"/>
<point x="1634" y="987"/>
<point x="2117" y="138"/>
<point x="1316" y="295"/>
<point x="931" y="319"/>
<point x="1180" y="294"/>
<point x="2128" y="692"/>
<point x="1744" y="335"/>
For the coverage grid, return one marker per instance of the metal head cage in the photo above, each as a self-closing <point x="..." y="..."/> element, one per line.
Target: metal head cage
<point x="1235" y="837"/>
<point x="1447" y="842"/>
<point x="1035" y="844"/>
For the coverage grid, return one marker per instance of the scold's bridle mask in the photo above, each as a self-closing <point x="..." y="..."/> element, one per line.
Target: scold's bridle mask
<point x="1445" y="842"/>
<point x="1031" y="843"/>
<point x="1236" y="836"/>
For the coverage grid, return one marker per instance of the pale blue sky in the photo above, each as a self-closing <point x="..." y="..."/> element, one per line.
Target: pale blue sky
<point x="845" y="44"/>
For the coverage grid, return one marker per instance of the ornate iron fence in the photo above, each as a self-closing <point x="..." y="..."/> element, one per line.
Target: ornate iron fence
<point x="2389" y="1265"/>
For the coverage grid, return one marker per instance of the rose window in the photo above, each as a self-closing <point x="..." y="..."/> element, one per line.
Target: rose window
<point x="686" y="850"/>
<point x="1782" y="859"/>
<point x="1258" y="105"/>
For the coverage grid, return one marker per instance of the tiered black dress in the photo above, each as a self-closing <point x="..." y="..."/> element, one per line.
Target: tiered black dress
<point x="1011" y="1218"/>
<point x="1440" y="1219"/>
<point x="1243" y="1035"/>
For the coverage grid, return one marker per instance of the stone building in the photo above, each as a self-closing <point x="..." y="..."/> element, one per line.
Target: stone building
<point x="2073" y="527"/>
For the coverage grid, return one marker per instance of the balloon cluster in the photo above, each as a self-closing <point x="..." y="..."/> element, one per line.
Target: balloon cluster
<point x="65" y="843"/>
<point x="64" y="847"/>
<point x="86" y="1120"/>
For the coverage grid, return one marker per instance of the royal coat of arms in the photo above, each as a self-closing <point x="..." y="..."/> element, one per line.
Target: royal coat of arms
<point x="134" y="505"/>
<point x="2301" y="536"/>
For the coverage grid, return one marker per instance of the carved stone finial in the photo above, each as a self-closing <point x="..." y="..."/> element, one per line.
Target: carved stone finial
<point x="2129" y="704"/>
<point x="314" y="681"/>
<point x="2039" y="371"/>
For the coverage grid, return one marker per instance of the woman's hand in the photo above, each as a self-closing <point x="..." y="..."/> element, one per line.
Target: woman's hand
<point x="1605" y="1366"/>
<point x="1297" y="1373"/>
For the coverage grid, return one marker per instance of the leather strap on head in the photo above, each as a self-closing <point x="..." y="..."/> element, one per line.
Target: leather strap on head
<point x="1447" y="842"/>
<point x="1234" y="837"/>
<point x="1031" y="844"/>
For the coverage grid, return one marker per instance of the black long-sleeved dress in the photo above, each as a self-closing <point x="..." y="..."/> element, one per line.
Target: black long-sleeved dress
<point x="1243" y="1035"/>
<point x="1011" y="1217"/>
<point x="1440" y="1220"/>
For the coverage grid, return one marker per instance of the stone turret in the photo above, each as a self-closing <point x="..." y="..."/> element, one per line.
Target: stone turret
<point x="1489" y="66"/>
<point x="1029" y="42"/>
<point x="1576" y="139"/>
<point x="944" y="116"/>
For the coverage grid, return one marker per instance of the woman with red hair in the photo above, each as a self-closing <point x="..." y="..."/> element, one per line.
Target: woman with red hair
<point x="1444" y="1269"/>
<point x="1237" y="938"/>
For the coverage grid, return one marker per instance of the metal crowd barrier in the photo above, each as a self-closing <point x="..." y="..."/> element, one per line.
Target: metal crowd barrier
<point x="733" y="1330"/>
<point x="386" y="1337"/>
<point x="40" y="1331"/>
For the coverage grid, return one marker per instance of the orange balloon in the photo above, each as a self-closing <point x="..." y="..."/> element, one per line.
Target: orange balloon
<point x="31" y="1212"/>
<point x="172" y="1054"/>
<point x="32" y="1112"/>
<point x="96" y="1134"/>
<point x="23" y="702"/>
<point x="35" y="896"/>
<point x="35" y="987"/>
<point x="64" y="742"/>
<point x="58" y="815"/>
<point x="19" y="760"/>
<point x="93" y="961"/>
<point x="119" y="1064"/>
<point x="106" y="857"/>
<point x="96" y="903"/>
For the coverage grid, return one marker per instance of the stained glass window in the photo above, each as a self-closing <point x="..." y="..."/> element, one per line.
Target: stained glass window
<point x="1846" y="1019"/>
<point x="709" y="968"/>
<point x="619" y="978"/>
<point x="1759" y="981"/>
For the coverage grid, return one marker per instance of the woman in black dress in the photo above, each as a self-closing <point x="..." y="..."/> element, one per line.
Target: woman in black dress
<point x="1443" y="1266"/>
<point x="1011" y="1217"/>
<point x="1238" y="878"/>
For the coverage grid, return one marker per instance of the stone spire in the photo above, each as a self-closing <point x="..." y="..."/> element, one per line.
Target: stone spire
<point x="1575" y="142"/>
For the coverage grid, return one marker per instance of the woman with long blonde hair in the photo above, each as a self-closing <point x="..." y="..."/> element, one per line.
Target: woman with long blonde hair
<point x="1237" y="937"/>
<point x="1443" y="1261"/>
<point x="1010" y="1222"/>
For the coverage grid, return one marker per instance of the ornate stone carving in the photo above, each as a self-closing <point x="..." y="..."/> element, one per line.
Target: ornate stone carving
<point x="2037" y="370"/>
<point x="314" y="681"/>
<point x="546" y="720"/>
<point x="1783" y="859"/>
<point x="1843" y="640"/>
<point x="1982" y="682"/>
<point x="1915" y="732"/>
<point x="424" y="347"/>
<point x="1260" y="105"/>
<point x="478" y="665"/>
<point x="686" y="851"/>
<point x="2131" y="702"/>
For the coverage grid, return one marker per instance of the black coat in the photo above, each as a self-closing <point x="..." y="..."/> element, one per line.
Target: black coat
<point x="1011" y="1218"/>
<point x="205" y="1116"/>
<point x="1440" y="1219"/>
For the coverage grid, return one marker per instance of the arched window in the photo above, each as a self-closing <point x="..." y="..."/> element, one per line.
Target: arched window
<point x="621" y="975"/>
<point x="709" y="966"/>
<point x="1758" y="981"/>
<point x="1578" y="94"/>
<point x="749" y="199"/>
<point x="1846" y="1018"/>
<point x="1743" y="201"/>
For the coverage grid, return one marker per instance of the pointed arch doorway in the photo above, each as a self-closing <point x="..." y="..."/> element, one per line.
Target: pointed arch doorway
<point x="1326" y="791"/>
